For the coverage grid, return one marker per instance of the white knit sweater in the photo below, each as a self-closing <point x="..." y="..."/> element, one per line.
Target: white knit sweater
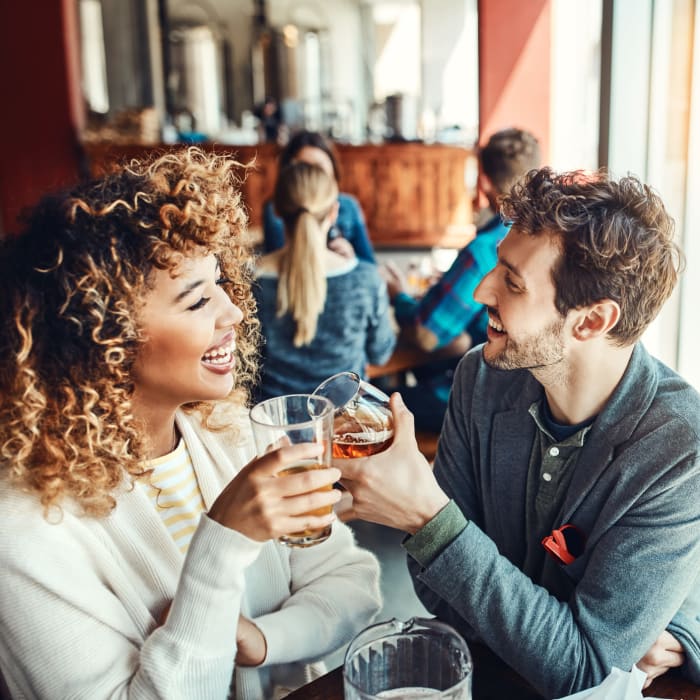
<point x="79" y="599"/>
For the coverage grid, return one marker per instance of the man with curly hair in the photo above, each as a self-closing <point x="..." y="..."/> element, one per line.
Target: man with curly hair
<point x="447" y="320"/>
<point x="139" y="552"/>
<point x="561" y="525"/>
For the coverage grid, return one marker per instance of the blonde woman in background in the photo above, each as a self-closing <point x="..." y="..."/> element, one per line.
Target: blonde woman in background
<point x="320" y="312"/>
<point x="138" y="551"/>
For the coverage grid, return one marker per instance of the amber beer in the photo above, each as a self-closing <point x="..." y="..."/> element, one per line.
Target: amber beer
<point x="318" y="535"/>
<point x="351" y="445"/>
<point x="361" y="435"/>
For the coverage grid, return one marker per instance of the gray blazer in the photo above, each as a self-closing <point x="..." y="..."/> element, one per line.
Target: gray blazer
<point x="635" y="493"/>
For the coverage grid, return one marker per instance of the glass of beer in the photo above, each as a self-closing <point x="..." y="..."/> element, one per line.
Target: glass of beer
<point x="362" y="422"/>
<point x="291" y="420"/>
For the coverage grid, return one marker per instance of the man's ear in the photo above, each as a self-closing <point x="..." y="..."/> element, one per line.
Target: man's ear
<point x="596" y="319"/>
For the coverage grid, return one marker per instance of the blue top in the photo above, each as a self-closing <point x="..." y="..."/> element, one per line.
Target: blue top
<point x="354" y="329"/>
<point x="351" y="223"/>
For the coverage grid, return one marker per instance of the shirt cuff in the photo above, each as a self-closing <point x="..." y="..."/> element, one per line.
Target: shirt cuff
<point x="436" y="534"/>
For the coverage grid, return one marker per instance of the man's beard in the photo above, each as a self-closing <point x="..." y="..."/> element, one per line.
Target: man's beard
<point x="535" y="352"/>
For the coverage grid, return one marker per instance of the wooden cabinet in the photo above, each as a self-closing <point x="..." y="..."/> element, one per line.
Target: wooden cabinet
<point x="413" y="195"/>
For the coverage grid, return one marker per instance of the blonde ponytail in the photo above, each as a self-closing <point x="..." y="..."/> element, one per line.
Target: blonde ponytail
<point x="304" y="196"/>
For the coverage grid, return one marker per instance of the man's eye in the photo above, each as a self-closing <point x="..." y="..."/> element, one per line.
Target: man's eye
<point x="199" y="304"/>
<point x="511" y="285"/>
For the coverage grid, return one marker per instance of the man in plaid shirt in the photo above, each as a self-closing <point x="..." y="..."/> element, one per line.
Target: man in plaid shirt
<point x="447" y="317"/>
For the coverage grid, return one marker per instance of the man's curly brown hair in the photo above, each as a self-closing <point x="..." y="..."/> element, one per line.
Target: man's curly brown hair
<point x="616" y="239"/>
<point x="71" y="287"/>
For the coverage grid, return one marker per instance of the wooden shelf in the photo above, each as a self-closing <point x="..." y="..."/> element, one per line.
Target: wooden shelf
<point x="413" y="195"/>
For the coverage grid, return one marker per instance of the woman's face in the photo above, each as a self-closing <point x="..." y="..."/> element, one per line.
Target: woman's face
<point x="315" y="156"/>
<point x="189" y="324"/>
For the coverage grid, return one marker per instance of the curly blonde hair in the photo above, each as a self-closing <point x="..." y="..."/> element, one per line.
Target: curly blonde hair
<point x="71" y="287"/>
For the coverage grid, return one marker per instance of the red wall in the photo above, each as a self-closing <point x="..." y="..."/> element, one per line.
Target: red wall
<point x="41" y="108"/>
<point x="514" y="67"/>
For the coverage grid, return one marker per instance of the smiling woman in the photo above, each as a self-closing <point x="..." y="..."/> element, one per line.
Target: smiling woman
<point x="138" y="553"/>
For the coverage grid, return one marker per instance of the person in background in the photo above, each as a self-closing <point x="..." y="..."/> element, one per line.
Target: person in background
<point x="447" y="320"/>
<point x="138" y="551"/>
<point x="561" y="524"/>
<point x="321" y="312"/>
<point x="348" y="234"/>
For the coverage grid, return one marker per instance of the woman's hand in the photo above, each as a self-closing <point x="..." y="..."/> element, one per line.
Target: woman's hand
<point x="395" y="487"/>
<point x="666" y="652"/>
<point x="250" y="642"/>
<point x="262" y="505"/>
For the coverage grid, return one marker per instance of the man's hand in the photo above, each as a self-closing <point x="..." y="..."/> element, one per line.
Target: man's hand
<point x="666" y="652"/>
<point x="252" y="645"/>
<point x="394" y="278"/>
<point x="395" y="487"/>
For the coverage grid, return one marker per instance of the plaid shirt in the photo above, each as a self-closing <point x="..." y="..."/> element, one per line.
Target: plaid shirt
<point x="448" y="307"/>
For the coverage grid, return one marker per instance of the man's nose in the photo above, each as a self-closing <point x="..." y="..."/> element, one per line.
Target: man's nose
<point x="483" y="293"/>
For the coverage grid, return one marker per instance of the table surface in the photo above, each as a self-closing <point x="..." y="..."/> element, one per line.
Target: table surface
<point x="493" y="680"/>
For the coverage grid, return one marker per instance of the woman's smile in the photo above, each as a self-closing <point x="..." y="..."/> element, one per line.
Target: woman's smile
<point x="221" y="358"/>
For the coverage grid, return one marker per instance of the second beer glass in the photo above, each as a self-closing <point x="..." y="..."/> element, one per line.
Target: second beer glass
<point x="362" y="423"/>
<point x="291" y="420"/>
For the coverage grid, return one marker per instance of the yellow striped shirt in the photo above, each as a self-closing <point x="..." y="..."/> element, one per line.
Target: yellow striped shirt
<point x="173" y="489"/>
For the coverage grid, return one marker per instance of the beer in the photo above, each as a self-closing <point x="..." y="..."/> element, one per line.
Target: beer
<point x="349" y="445"/>
<point x="307" y="538"/>
<point x="362" y="433"/>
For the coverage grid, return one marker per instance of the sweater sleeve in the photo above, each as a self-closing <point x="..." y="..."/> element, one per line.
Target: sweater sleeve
<point x="70" y="630"/>
<point x="335" y="593"/>
<point x="381" y="338"/>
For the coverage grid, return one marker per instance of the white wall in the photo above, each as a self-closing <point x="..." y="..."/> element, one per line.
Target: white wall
<point x="575" y="84"/>
<point x="451" y="63"/>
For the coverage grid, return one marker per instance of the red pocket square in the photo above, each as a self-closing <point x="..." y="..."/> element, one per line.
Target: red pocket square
<point x="565" y="544"/>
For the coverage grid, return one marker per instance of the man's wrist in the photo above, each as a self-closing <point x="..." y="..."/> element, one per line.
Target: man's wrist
<point x="430" y="540"/>
<point x="427" y="513"/>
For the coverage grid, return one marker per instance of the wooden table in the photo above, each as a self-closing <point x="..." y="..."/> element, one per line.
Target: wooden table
<point x="493" y="680"/>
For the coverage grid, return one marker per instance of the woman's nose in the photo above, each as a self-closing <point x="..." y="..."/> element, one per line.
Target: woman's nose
<point x="231" y="314"/>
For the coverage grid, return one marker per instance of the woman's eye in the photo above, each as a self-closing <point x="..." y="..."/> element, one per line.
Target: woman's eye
<point x="223" y="280"/>
<point x="199" y="304"/>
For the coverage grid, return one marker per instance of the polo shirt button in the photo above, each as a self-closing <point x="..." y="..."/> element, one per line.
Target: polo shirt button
<point x="547" y="476"/>
<point x="554" y="451"/>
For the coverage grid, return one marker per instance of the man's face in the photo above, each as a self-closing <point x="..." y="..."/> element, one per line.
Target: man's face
<point x="525" y="329"/>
